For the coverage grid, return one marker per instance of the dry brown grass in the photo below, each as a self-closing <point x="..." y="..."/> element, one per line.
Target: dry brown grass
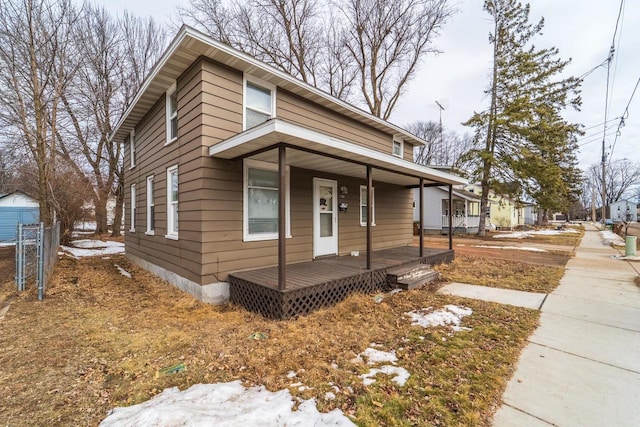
<point x="564" y="239"/>
<point x="98" y="338"/>
<point x="498" y="273"/>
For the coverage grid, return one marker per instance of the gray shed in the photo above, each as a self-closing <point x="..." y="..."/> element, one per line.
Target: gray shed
<point x="16" y="207"/>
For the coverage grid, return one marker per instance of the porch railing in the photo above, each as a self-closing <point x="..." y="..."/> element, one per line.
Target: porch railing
<point x="461" y="221"/>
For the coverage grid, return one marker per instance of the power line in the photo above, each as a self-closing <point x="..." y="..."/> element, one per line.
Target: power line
<point x="625" y="115"/>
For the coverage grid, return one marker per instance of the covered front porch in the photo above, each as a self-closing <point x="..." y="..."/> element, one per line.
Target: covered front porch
<point x="326" y="172"/>
<point x="324" y="282"/>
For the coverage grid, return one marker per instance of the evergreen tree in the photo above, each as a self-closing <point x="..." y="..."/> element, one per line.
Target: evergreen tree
<point x="528" y="147"/>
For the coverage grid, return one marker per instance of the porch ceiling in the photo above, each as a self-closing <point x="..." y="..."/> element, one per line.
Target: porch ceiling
<point x="309" y="149"/>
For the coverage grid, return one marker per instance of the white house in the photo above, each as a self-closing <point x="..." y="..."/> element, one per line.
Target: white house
<point x="624" y="210"/>
<point x="465" y="212"/>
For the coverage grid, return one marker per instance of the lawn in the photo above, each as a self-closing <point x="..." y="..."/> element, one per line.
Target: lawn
<point x="496" y="273"/>
<point x="99" y="339"/>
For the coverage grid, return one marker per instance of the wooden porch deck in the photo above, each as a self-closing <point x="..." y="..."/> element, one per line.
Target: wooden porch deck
<point x="322" y="282"/>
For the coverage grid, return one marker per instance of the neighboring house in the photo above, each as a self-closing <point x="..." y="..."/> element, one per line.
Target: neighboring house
<point x="527" y="214"/>
<point x="502" y="212"/>
<point x="465" y="213"/>
<point x="16" y="208"/>
<point x="233" y="165"/>
<point x="624" y="211"/>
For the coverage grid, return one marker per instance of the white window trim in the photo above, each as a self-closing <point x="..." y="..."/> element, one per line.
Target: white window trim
<point x="257" y="164"/>
<point x="150" y="202"/>
<point x="132" y="209"/>
<point x="401" y="142"/>
<point x="262" y="84"/>
<point x="373" y="208"/>
<point x="171" y="234"/>
<point x="132" y="149"/>
<point x="168" y="115"/>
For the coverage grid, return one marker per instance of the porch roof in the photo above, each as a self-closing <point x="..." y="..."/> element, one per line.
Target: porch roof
<point x="310" y="149"/>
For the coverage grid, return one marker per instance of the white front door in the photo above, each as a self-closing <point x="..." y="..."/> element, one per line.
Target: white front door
<point x="325" y="217"/>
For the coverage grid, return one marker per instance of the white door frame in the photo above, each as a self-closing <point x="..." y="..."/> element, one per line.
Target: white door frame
<point x="325" y="245"/>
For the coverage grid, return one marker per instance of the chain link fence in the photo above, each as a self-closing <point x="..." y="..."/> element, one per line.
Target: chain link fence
<point x="36" y="254"/>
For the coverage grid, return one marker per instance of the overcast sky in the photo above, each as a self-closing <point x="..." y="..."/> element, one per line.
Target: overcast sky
<point x="581" y="29"/>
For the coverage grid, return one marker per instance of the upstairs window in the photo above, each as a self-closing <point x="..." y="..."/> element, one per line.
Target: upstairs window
<point x="151" y="207"/>
<point x="172" y="114"/>
<point x="398" y="147"/>
<point x="259" y="103"/>
<point x="363" y="206"/>
<point x="172" y="203"/>
<point x="132" y="148"/>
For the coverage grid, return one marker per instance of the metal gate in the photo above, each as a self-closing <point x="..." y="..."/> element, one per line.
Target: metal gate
<point x="36" y="253"/>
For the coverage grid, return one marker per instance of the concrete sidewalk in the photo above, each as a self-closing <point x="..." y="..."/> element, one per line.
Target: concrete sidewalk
<point x="582" y="365"/>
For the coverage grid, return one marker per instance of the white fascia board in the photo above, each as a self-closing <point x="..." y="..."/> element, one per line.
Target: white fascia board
<point x="186" y="31"/>
<point x="286" y="128"/>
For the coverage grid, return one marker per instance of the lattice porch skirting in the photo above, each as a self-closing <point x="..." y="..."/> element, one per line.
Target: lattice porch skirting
<point x="301" y="300"/>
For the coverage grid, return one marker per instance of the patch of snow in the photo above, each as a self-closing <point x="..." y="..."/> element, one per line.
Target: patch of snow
<point x="378" y="356"/>
<point x="85" y="225"/>
<point x="329" y="396"/>
<point x="228" y="404"/>
<point x="291" y="374"/>
<point x="122" y="271"/>
<point x="334" y="365"/>
<point x="513" y="248"/>
<point x="609" y="238"/>
<point x="94" y="244"/>
<point x="450" y="316"/>
<point x="516" y="235"/>
<point x="525" y="234"/>
<point x="7" y="244"/>
<point x="298" y="384"/>
<point x="87" y="248"/>
<point x="401" y="375"/>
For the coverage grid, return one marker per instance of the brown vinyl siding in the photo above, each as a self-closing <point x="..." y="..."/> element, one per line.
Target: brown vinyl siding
<point x="182" y="256"/>
<point x="298" y="110"/>
<point x="408" y="151"/>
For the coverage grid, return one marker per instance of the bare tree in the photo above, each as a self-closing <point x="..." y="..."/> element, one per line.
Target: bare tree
<point x="376" y="45"/>
<point x="35" y="51"/>
<point x="387" y="40"/>
<point x="118" y="53"/>
<point x="444" y="146"/>
<point x="283" y="33"/>
<point x="143" y="42"/>
<point x="623" y="179"/>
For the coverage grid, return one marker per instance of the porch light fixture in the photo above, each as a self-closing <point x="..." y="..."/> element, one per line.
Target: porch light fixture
<point x="344" y="190"/>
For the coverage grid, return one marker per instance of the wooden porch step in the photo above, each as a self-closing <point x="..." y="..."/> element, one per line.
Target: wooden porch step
<point x="411" y="277"/>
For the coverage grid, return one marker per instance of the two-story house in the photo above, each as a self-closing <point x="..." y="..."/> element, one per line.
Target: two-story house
<point x="234" y="167"/>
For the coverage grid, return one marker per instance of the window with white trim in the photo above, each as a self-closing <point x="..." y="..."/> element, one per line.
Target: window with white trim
<point x="171" y="100"/>
<point x="398" y="147"/>
<point x="132" y="148"/>
<point x="172" y="202"/>
<point x="151" y="207"/>
<point x="363" y="206"/>
<point x="259" y="102"/>
<point x="132" y="219"/>
<point x="261" y="197"/>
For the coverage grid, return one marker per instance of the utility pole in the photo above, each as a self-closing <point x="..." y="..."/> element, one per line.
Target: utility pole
<point x="604" y="134"/>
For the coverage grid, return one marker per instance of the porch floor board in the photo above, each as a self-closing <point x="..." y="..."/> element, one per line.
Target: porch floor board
<point x="323" y="281"/>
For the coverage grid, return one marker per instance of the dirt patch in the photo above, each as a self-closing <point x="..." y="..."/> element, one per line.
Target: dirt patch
<point x="467" y="246"/>
<point x="99" y="339"/>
